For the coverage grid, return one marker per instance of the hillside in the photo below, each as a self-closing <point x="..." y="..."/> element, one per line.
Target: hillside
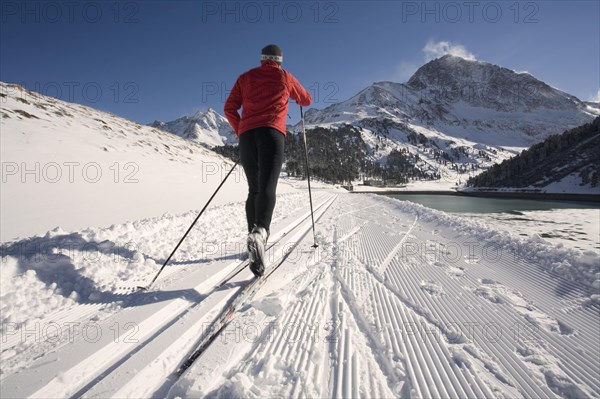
<point x="72" y="166"/>
<point x="568" y="162"/>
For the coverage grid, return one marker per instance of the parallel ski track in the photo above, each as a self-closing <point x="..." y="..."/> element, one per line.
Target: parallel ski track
<point x="301" y="315"/>
<point x="422" y="354"/>
<point x="406" y="284"/>
<point x="257" y="284"/>
<point x="403" y="280"/>
<point x="163" y="358"/>
<point x="93" y="369"/>
<point x="376" y="290"/>
<point x="277" y="263"/>
<point x="385" y="299"/>
<point x="581" y="364"/>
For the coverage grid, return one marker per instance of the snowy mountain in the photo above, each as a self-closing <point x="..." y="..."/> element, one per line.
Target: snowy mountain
<point x="473" y="113"/>
<point x="207" y="128"/>
<point x="73" y="166"/>
<point x="476" y="96"/>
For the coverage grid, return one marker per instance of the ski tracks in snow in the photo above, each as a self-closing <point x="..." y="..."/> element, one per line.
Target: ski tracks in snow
<point x="142" y="342"/>
<point x="320" y="345"/>
<point x="393" y="306"/>
<point x="389" y="305"/>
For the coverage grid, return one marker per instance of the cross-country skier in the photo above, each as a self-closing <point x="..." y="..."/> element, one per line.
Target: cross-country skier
<point x="263" y="95"/>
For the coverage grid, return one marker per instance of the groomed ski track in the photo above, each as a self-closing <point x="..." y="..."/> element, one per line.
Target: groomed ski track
<point x="393" y="303"/>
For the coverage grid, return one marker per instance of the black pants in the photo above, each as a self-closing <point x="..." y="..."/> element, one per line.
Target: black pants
<point x="261" y="154"/>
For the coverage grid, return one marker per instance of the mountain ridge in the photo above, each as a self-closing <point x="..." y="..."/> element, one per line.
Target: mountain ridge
<point x="450" y="91"/>
<point x="206" y="128"/>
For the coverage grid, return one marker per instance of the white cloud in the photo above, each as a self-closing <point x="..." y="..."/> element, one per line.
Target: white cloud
<point x="596" y="98"/>
<point x="438" y="49"/>
<point x="405" y="69"/>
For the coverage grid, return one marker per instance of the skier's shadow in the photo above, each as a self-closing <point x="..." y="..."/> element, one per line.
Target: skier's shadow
<point x="230" y="285"/>
<point x="51" y="260"/>
<point x="141" y="298"/>
<point x="234" y="256"/>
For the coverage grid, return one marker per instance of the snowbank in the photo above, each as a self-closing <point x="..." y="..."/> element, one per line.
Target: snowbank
<point x="582" y="267"/>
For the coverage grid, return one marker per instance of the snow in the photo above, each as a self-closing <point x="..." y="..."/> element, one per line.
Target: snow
<point x="571" y="184"/>
<point x="24" y="296"/>
<point x="398" y="300"/>
<point x="574" y="228"/>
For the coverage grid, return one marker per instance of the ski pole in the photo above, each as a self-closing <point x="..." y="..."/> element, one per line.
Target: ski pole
<point x="308" y="178"/>
<point x="190" y="228"/>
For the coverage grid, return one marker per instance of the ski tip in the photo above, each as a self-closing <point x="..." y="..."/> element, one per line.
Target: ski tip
<point x="142" y="288"/>
<point x="315" y="246"/>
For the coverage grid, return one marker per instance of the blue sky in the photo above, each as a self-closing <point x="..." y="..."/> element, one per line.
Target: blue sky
<point x="148" y="60"/>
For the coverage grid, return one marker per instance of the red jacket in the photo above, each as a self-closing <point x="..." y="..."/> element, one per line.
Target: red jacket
<point x="263" y="94"/>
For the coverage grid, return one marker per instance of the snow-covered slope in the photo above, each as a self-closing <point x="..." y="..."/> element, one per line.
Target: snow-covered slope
<point x="72" y="166"/>
<point x="472" y="113"/>
<point x="207" y="128"/>
<point x="398" y="300"/>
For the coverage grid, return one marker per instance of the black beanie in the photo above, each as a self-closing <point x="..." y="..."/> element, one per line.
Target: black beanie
<point x="272" y="52"/>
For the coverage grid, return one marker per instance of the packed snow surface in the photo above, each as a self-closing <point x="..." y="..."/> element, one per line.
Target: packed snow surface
<point x="398" y="300"/>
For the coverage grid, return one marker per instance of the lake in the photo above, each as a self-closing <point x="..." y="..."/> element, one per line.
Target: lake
<point x="459" y="203"/>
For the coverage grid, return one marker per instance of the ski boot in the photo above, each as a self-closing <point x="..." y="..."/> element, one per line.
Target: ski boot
<point x="257" y="241"/>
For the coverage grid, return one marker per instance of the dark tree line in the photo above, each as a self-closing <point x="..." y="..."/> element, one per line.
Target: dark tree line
<point x="340" y="155"/>
<point x="574" y="151"/>
<point x="400" y="168"/>
<point x="335" y="155"/>
<point x="228" y="151"/>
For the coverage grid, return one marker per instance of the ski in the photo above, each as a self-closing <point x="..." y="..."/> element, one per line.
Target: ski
<point x="244" y="295"/>
<point x="242" y="266"/>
